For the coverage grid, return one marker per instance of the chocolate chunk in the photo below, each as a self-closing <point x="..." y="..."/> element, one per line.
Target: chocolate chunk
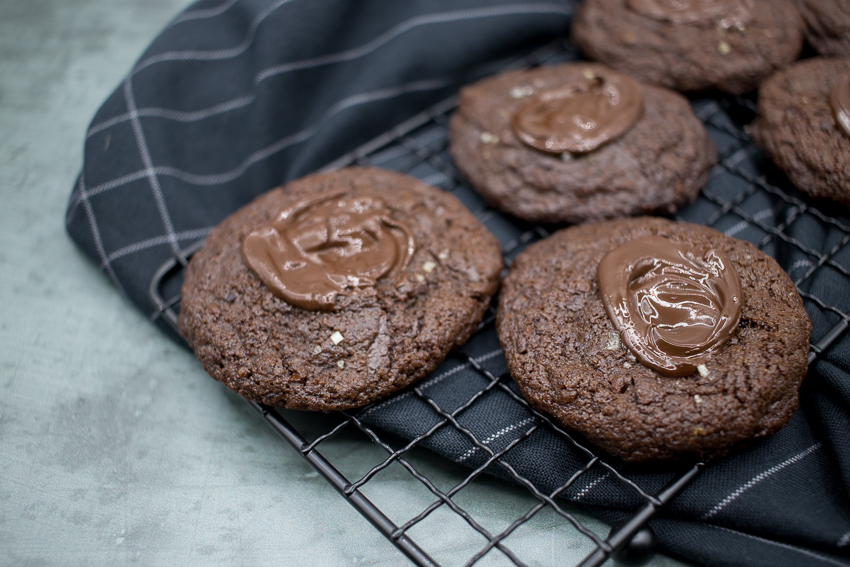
<point x="321" y="246"/>
<point x="581" y="116"/>
<point x="674" y="305"/>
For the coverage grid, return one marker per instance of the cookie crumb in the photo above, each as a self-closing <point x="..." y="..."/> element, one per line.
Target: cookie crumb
<point x="703" y="370"/>
<point x="724" y="48"/>
<point x="489" y="138"/>
<point x="317" y="350"/>
<point x="627" y="365"/>
<point x="613" y="340"/>
<point x="522" y="92"/>
<point x="697" y="398"/>
<point x="428" y="266"/>
<point x="420" y="278"/>
<point x="698" y="431"/>
<point x="588" y="74"/>
<point x="741" y="27"/>
<point x="340" y="363"/>
<point x="444" y="255"/>
<point x="337" y="337"/>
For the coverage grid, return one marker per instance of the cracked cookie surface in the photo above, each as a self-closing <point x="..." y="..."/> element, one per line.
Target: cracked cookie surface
<point x="827" y="25"/>
<point x="568" y="360"/>
<point x="797" y="129"/>
<point x="376" y="339"/>
<point x="693" y="56"/>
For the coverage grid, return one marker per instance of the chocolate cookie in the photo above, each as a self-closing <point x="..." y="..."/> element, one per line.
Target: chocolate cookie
<point x="804" y="126"/>
<point x="655" y="339"/>
<point x="730" y="45"/>
<point x="827" y="25"/>
<point x="578" y="142"/>
<point x="337" y="289"/>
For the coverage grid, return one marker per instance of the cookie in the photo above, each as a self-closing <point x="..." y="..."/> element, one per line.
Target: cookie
<point x="801" y="110"/>
<point x="729" y="45"/>
<point x="578" y="142"/>
<point x="655" y="339"/>
<point x="827" y="25"/>
<point x="337" y="289"/>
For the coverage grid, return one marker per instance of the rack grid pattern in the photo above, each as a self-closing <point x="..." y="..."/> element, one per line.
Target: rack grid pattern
<point x="745" y="197"/>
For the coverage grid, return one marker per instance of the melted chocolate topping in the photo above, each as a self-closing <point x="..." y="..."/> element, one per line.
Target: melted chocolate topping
<point x="318" y="247"/>
<point x="727" y="13"/>
<point x="579" y="117"/>
<point x="839" y="101"/>
<point x="674" y="305"/>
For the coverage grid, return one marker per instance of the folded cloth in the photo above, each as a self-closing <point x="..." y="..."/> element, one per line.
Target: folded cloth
<point x="237" y="96"/>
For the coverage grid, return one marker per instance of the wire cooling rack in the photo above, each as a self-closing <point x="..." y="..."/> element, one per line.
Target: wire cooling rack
<point x="745" y="197"/>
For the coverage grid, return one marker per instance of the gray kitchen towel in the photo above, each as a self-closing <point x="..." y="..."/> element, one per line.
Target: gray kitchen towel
<point x="237" y="96"/>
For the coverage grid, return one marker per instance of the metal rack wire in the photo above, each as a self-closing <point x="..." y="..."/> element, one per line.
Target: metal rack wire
<point x="745" y="197"/>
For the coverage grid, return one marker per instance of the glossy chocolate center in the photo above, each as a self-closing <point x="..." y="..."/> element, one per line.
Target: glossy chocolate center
<point x="674" y="305"/>
<point x="839" y="102"/>
<point x="727" y="13"/>
<point x="319" y="247"/>
<point x="580" y="117"/>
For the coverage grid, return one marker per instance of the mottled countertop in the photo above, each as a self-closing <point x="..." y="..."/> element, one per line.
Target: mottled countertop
<point x="115" y="446"/>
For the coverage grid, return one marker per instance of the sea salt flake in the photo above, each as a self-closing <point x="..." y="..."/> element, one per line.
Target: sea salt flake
<point x="489" y="138"/>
